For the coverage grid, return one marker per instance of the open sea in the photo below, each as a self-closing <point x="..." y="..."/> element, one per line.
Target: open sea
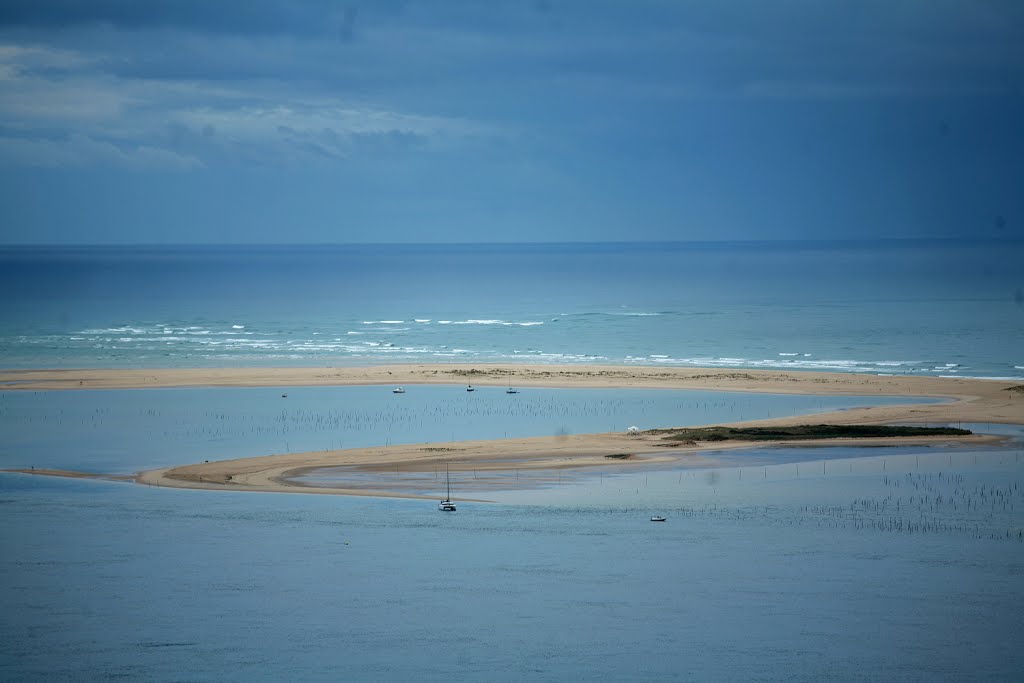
<point x="777" y="564"/>
<point x="938" y="308"/>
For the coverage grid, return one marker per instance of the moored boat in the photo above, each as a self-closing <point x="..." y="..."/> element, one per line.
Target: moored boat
<point x="447" y="505"/>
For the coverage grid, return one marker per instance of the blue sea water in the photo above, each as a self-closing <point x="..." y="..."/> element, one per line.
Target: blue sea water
<point x="936" y="308"/>
<point x="775" y="575"/>
<point x="794" y="564"/>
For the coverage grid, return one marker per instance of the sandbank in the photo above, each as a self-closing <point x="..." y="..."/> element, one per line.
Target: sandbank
<point x="969" y="400"/>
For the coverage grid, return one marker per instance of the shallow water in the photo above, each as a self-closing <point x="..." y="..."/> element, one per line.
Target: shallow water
<point x="123" y="431"/>
<point x="781" y="564"/>
<point x="778" y="578"/>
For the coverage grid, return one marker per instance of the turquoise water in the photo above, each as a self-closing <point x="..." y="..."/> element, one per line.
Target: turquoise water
<point x="935" y="308"/>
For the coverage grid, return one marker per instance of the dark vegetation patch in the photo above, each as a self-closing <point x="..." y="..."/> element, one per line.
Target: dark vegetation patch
<point x="802" y="432"/>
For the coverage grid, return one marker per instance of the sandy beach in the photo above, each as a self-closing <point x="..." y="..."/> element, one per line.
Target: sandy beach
<point x="968" y="400"/>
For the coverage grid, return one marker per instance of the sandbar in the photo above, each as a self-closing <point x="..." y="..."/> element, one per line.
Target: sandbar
<point x="968" y="401"/>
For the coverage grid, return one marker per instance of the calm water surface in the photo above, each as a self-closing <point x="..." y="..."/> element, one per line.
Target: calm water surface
<point x="124" y="431"/>
<point x="769" y="577"/>
<point x="790" y="564"/>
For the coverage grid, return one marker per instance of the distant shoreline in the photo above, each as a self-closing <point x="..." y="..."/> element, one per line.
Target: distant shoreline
<point x="499" y="374"/>
<point x="969" y="400"/>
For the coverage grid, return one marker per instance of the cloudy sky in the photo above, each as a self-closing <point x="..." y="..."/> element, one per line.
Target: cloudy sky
<point x="176" y="121"/>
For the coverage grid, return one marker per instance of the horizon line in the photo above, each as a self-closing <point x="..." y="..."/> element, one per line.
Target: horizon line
<point x="629" y="243"/>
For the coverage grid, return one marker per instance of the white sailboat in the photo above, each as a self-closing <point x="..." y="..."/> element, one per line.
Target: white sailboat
<point x="447" y="505"/>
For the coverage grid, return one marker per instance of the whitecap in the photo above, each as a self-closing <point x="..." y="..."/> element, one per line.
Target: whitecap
<point x="238" y="327"/>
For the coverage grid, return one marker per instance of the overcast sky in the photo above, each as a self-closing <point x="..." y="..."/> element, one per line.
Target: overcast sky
<point x="509" y="120"/>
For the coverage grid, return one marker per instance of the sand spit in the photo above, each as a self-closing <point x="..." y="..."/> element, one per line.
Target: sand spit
<point x="70" y="474"/>
<point x="970" y="400"/>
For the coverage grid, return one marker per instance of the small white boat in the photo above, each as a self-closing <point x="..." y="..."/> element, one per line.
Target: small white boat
<point x="398" y="390"/>
<point x="510" y="390"/>
<point x="657" y="518"/>
<point x="470" y="388"/>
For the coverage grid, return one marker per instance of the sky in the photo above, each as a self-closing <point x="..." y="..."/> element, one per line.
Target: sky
<point x="285" y="121"/>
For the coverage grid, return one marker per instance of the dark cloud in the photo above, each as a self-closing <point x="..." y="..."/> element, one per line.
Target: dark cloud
<point x="891" y="118"/>
<point x="790" y="48"/>
<point x="259" y="16"/>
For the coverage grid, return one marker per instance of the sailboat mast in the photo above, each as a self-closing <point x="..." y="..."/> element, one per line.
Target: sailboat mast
<point x="448" y="480"/>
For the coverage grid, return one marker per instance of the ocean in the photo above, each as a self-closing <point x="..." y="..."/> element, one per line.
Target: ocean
<point x="884" y="307"/>
<point x="792" y="564"/>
